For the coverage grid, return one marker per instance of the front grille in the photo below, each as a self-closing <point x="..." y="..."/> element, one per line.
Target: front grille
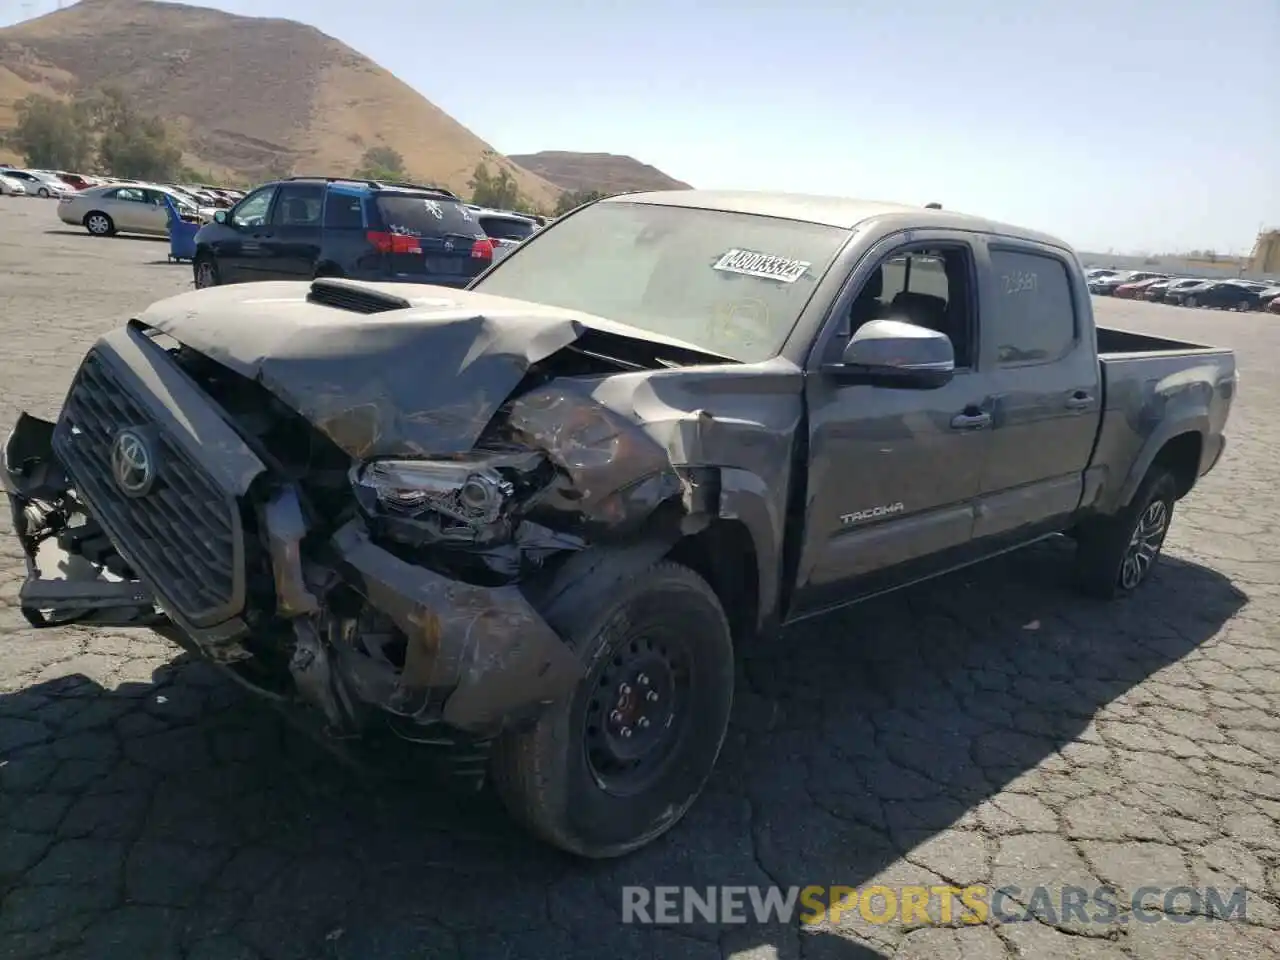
<point x="183" y="535"/>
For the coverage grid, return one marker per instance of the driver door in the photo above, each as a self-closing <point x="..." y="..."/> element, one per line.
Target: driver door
<point x="895" y="472"/>
<point x="239" y="248"/>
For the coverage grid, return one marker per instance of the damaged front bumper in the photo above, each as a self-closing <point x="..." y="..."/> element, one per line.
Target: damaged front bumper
<point x="475" y="659"/>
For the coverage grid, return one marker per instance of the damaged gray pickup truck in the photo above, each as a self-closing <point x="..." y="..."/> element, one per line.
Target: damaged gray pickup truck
<point x="533" y="519"/>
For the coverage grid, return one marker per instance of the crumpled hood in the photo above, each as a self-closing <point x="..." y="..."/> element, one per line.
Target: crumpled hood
<point x="421" y="381"/>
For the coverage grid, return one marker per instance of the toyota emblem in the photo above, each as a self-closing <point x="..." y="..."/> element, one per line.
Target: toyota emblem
<point x="132" y="464"/>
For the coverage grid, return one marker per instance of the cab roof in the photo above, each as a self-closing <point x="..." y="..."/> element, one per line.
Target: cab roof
<point x="843" y="212"/>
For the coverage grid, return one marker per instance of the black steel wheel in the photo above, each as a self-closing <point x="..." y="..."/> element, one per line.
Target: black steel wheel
<point x="637" y="712"/>
<point x="623" y="759"/>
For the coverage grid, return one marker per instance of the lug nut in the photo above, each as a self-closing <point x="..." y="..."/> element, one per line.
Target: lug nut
<point x="644" y="679"/>
<point x="644" y="722"/>
<point x="653" y="696"/>
<point x="616" y="717"/>
<point x="626" y="732"/>
<point x="623" y="689"/>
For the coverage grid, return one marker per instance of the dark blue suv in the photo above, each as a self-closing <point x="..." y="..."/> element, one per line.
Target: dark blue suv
<point x="307" y="227"/>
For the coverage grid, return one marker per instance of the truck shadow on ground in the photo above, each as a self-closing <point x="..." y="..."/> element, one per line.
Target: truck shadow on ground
<point x="181" y="819"/>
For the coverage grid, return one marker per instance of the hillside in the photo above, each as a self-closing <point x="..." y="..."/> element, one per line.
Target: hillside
<point x="606" y="172"/>
<point x="254" y="97"/>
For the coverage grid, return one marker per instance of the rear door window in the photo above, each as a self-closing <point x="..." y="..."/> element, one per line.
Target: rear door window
<point x="299" y="205"/>
<point x="422" y="215"/>
<point x="1031" y="318"/>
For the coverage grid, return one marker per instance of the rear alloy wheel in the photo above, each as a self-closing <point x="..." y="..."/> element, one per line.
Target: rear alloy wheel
<point x="1191" y="302"/>
<point x="1243" y="306"/>
<point x="205" y="271"/>
<point x="621" y="760"/>
<point x="1115" y="555"/>
<point x="99" y="224"/>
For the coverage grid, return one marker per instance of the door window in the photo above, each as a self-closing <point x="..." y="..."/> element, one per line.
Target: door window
<point x="1031" y="317"/>
<point x="299" y="205"/>
<point x="927" y="287"/>
<point x="129" y="194"/>
<point x="252" y="211"/>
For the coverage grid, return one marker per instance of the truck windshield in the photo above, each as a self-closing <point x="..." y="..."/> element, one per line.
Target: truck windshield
<point x="730" y="283"/>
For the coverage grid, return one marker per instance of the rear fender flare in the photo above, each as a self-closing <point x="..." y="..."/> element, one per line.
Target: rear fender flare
<point x="1197" y="423"/>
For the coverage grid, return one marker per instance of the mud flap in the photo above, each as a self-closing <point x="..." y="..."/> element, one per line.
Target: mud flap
<point x="93" y="585"/>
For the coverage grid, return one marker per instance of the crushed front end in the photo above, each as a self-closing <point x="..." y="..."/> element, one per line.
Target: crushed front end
<point x="176" y="494"/>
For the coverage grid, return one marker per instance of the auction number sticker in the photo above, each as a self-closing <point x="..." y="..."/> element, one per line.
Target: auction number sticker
<point x="751" y="263"/>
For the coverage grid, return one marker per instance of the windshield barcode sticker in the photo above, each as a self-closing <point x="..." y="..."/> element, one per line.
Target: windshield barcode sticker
<point x="750" y="263"/>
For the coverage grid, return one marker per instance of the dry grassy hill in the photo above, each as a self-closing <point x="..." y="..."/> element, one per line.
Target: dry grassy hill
<point x="253" y="96"/>
<point x="606" y="172"/>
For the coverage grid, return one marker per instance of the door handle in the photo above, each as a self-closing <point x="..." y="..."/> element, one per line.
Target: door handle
<point x="1078" y="401"/>
<point x="971" y="419"/>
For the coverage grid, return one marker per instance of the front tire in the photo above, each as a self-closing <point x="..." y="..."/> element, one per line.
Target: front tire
<point x="621" y="761"/>
<point x="1115" y="555"/>
<point x="204" y="271"/>
<point x="1191" y="302"/>
<point x="43" y="193"/>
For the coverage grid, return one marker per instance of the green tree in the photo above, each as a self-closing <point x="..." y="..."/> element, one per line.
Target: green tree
<point x="494" y="190"/>
<point x="381" y="163"/>
<point x="51" y="134"/>
<point x="130" y="144"/>
<point x="576" y="198"/>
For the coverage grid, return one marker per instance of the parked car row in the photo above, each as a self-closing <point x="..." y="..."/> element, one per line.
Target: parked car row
<point x="1220" y="294"/>
<point x="33" y="183"/>
<point x="307" y="227"/>
<point x="129" y="208"/>
<point x="15" y="181"/>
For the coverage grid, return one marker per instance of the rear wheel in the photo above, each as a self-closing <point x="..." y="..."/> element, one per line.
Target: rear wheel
<point x="205" y="271"/>
<point x="99" y="224"/>
<point x="1244" y="306"/>
<point x="1115" y="555"/>
<point x="622" y="760"/>
<point x="1191" y="302"/>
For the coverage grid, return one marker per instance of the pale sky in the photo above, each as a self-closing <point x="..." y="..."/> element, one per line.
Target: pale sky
<point x="1136" y="125"/>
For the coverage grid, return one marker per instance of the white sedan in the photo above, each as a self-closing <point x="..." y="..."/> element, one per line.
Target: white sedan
<point x="9" y="187"/>
<point x="39" y="183"/>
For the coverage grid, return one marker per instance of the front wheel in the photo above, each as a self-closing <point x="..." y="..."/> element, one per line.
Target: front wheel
<point x="1191" y="302"/>
<point x="205" y="271"/>
<point x="1115" y="555"/>
<point x="622" y="760"/>
<point x="43" y="193"/>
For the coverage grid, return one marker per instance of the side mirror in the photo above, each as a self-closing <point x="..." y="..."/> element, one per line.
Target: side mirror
<point x="894" y="353"/>
<point x="220" y="216"/>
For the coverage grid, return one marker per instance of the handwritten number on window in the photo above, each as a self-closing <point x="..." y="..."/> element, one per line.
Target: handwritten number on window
<point x="1018" y="282"/>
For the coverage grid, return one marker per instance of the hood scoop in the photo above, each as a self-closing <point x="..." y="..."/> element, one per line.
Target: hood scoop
<point x="354" y="298"/>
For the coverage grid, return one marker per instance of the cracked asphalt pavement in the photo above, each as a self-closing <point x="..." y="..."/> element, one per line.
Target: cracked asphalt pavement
<point x="991" y="728"/>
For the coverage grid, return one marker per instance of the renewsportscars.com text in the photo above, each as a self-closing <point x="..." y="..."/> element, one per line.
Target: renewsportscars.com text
<point x="919" y="904"/>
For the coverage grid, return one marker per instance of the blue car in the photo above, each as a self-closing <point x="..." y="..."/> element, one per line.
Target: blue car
<point x="307" y="227"/>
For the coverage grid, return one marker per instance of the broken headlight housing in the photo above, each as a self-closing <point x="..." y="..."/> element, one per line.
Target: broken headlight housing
<point x="420" y="501"/>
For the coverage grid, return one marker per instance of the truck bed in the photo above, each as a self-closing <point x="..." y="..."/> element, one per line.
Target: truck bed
<point x="1125" y="344"/>
<point x="1153" y="388"/>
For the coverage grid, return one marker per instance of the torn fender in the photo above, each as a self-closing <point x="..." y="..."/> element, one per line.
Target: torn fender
<point x="487" y="644"/>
